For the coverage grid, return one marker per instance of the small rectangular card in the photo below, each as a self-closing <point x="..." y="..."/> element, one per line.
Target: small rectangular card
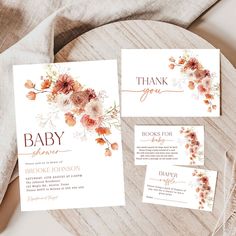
<point x="172" y="145"/>
<point x="180" y="187"/>
<point x="68" y="135"/>
<point x="170" y="82"/>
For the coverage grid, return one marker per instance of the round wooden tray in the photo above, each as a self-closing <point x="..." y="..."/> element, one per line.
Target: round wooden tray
<point x="137" y="218"/>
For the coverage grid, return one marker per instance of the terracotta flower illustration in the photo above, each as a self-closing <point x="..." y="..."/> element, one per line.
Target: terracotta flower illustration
<point x="100" y="141"/>
<point x="192" y="143"/>
<point x="108" y="152"/>
<point x="203" y="189"/>
<point x="31" y="95"/>
<point x="29" y="84"/>
<point x="70" y="119"/>
<point x="46" y="84"/>
<point x="79" y="99"/>
<point x="114" y="146"/>
<point x="64" y="84"/>
<point x="88" y="122"/>
<point x="103" y="132"/>
<point x="80" y="106"/>
<point x="192" y="64"/>
<point x="199" y="78"/>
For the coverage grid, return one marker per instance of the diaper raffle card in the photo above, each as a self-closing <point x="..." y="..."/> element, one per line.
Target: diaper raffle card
<point x="170" y="82"/>
<point x="68" y="135"/>
<point x="179" y="145"/>
<point x="180" y="187"/>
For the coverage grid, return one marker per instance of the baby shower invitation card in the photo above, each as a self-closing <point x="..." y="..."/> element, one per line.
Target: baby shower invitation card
<point x="180" y="187"/>
<point x="172" y="145"/>
<point x="170" y="82"/>
<point x="68" y="135"/>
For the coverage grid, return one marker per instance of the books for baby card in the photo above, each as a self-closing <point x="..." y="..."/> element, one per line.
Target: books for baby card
<point x="68" y="135"/>
<point x="169" y="145"/>
<point x="170" y="82"/>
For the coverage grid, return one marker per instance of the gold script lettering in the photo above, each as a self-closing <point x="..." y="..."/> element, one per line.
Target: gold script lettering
<point x="146" y="91"/>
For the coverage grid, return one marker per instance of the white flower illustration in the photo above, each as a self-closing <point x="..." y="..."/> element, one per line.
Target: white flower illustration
<point x="94" y="109"/>
<point x="63" y="102"/>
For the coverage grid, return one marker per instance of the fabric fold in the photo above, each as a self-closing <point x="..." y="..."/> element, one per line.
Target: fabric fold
<point x="226" y="224"/>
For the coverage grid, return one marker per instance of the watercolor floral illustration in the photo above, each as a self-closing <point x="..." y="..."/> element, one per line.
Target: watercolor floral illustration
<point x="76" y="104"/>
<point x="192" y="145"/>
<point x="199" y="79"/>
<point x="203" y="189"/>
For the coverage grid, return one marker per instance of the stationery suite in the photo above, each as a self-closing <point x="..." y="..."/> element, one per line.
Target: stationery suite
<point x="69" y="138"/>
<point x="180" y="187"/>
<point x="162" y="147"/>
<point x="170" y="82"/>
<point x="180" y="145"/>
<point x="68" y="135"/>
